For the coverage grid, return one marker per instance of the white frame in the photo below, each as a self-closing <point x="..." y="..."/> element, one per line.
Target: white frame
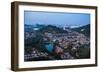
<point x="23" y="64"/>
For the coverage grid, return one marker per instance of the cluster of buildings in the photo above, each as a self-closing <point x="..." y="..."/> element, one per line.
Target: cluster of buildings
<point x="71" y="37"/>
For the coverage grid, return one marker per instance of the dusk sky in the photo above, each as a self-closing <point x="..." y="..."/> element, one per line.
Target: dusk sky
<point x="54" y="18"/>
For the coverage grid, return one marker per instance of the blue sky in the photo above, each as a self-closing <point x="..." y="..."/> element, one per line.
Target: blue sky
<point x="56" y="18"/>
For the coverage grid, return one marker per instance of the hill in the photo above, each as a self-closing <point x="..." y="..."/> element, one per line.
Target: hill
<point x="83" y="29"/>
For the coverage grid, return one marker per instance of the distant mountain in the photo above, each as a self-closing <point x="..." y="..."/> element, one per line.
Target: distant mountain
<point x="52" y="29"/>
<point x="83" y="29"/>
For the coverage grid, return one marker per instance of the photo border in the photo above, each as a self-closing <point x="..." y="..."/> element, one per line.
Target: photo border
<point x="15" y="34"/>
